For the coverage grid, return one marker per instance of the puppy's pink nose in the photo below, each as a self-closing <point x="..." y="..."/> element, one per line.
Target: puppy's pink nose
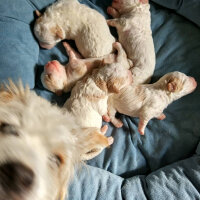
<point x="194" y="83"/>
<point x="52" y="66"/>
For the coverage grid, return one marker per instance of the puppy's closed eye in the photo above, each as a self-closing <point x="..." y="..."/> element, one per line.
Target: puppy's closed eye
<point x="8" y="129"/>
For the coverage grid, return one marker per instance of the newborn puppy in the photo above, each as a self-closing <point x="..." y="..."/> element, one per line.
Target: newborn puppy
<point x="147" y="101"/>
<point x="68" y="19"/>
<point x="133" y="24"/>
<point x="88" y="100"/>
<point x="58" y="78"/>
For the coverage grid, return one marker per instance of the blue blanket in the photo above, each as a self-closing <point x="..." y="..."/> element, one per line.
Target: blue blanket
<point x="163" y="164"/>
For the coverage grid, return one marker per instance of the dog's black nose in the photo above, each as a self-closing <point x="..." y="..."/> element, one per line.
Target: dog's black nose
<point x="15" y="177"/>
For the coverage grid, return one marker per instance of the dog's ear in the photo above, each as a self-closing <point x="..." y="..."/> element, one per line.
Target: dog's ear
<point x="101" y="84"/>
<point x="174" y="85"/>
<point x="59" y="32"/>
<point x="114" y="85"/>
<point x="38" y="13"/>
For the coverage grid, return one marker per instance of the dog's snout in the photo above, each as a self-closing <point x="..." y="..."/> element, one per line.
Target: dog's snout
<point x="15" y="177"/>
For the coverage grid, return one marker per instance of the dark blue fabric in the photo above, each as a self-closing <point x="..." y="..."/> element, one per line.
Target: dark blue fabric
<point x="188" y="8"/>
<point x="135" y="167"/>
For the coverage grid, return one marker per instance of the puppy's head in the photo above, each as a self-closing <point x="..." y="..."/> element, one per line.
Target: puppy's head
<point x="113" y="77"/>
<point x="177" y="84"/>
<point x="125" y="5"/>
<point x="47" y="31"/>
<point x="38" y="151"/>
<point x="54" y="77"/>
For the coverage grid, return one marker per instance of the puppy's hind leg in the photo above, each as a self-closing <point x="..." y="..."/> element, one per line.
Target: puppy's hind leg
<point x="111" y="113"/>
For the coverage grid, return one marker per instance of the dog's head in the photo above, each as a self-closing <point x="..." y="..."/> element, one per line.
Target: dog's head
<point x="54" y="77"/>
<point x="177" y="84"/>
<point x="47" y="31"/>
<point x="38" y="150"/>
<point x="58" y="78"/>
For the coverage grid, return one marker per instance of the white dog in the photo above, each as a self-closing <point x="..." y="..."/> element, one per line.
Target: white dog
<point x="58" y="78"/>
<point x="147" y="101"/>
<point x="40" y="146"/>
<point x="88" y="100"/>
<point x="68" y="19"/>
<point x="133" y="23"/>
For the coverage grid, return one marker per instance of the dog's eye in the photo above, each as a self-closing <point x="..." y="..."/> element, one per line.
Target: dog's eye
<point x="8" y="129"/>
<point x="56" y="159"/>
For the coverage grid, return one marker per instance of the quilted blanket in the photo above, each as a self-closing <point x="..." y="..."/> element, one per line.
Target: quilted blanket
<point x="163" y="164"/>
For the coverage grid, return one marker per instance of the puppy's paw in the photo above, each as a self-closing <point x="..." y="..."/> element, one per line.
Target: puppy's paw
<point x="117" y="123"/>
<point x="106" y="118"/>
<point x="161" y="117"/>
<point x="113" y="12"/>
<point x="110" y="140"/>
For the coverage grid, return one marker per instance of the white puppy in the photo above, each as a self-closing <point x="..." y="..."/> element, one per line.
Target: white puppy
<point x="133" y="23"/>
<point x="39" y="146"/>
<point x="147" y="101"/>
<point x="68" y="19"/>
<point x="58" y="78"/>
<point x="88" y="100"/>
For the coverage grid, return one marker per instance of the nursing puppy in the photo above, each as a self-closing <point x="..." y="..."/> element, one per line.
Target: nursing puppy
<point x="68" y="19"/>
<point x="133" y="24"/>
<point x="147" y="101"/>
<point x="88" y="100"/>
<point x="40" y="146"/>
<point x="59" y="78"/>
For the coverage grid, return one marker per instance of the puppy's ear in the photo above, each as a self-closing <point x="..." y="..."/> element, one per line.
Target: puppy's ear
<point x="174" y="85"/>
<point x="114" y="85"/>
<point x="101" y="84"/>
<point x="59" y="33"/>
<point x="38" y="13"/>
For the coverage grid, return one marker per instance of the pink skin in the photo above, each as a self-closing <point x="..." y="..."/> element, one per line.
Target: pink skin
<point x="103" y="131"/>
<point x="54" y="67"/>
<point x="161" y="117"/>
<point x="194" y="83"/>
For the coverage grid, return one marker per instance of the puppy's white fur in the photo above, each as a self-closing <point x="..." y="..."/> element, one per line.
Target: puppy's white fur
<point x="45" y="140"/>
<point x="58" y="78"/>
<point x="133" y="23"/>
<point x="68" y="19"/>
<point x="147" y="101"/>
<point x="88" y="100"/>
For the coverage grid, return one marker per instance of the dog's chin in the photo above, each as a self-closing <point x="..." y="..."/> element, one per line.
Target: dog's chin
<point x="46" y="46"/>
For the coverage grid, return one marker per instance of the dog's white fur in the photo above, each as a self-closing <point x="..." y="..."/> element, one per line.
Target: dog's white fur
<point x="58" y="78"/>
<point x="68" y="19"/>
<point x="133" y="23"/>
<point x="147" y="101"/>
<point x="88" y="100"/>
<point x="44" y="139"/>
